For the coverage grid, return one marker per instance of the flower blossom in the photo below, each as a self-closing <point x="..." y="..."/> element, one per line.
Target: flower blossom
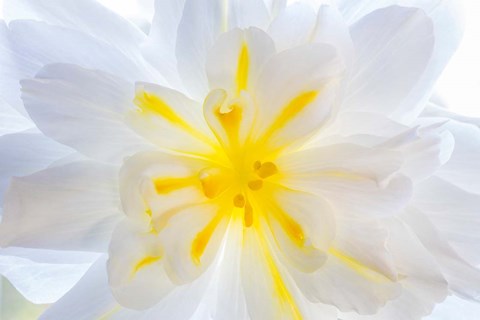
<point x="244" y="160"/>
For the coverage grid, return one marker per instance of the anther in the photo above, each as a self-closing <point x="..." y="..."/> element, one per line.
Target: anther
<point x="239" y="201"/>
<point x="248" y="215"/>
<point x="255" y="185"/>
<point x="267" y="169"/>
<point x="257" y="165"/>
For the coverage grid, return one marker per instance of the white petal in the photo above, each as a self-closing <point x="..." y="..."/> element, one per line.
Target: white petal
<point x="224" y="296"/>
<point x="43" y="276"/>
<point x="29" y="45"/>
<point x="354" y="179"/>
<point x="25" y="153"/>
<point x="90" y="298"/>
<point x="448" y="24"/>
<point x="454" y="212"/>
<point x="170" y="120"/>
<point x="83" y="109"/>
<point x="293" y="26"/>
<point x="331" y="28"/>
<point x="14" y="67"/>
<point x="165" y="195"/>
<point x="269" y="290"/>
<point x="159" y="49"/>
<point x="201" y="24"/>
<point x="69" y="207"/>
<point x="234" y="62"/>
<point x="303" y="228"/>
<point x="425" y="148"/>
<point x="463" y="167"/>
<point x="296" y="93"/>
<point x="12" y="120"/>
<point x="380" y="81"/>
<point x="135" y="267"/>
<point x="342" y="278"/>
<point x="199" y="27"/>
<point x="86" y="16"/>
<point x="463" y="279"/>
<point x="422" y="282"/>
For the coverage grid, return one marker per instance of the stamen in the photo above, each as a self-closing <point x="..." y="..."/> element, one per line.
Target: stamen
<point x="213" y="181"/>
<point x="266" y="170"/>
<point x="239" y="201"/>
<point x="257" y="165"/>
<point x="248" y="215"/>
<point x="255" y="185"/>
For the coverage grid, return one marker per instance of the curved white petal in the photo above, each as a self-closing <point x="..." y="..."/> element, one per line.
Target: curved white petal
<point x="89" y="298"/>
<point x="293" y="26"/>
<point x="135" y="271"/>
<point x="87" y="16"/>
<point x="296" y="93"/>
<point x="454" y="212"/>
<point x="83" y="109"/>
<point x="69" y="207"/>
<point x="463" y="279"/>
<point x="354" y="179"/>
<point x="159" y="48"/>
<point x="30" y="45"/>
<point x="201" y="24"/>
<point x="448" y="25"/>
<point x="405" y="42"/>
<point x="12" y="120"/>
<point x="234" y="62"/>
<point x="421" y="279"/>
<point x="43" y="276"/>
<point x="462" y="168"/>
<point x="170" y="120"/>
<point x="24" y="153"/>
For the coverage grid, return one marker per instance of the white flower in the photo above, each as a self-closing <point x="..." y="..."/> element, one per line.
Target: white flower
<point x="246" y="160"/>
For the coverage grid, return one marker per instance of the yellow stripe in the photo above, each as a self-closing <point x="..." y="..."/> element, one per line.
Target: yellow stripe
<point x="168" y="185"/>
<point x="202" y="239"/>
<point x="290" y="226"/>
<point x="242" y="69"/>
<point x="285" y="297"/>
<point x="294" y="107"/>
<point x="148" y="260"/>
<point x="150" y="103"/>
<point x="358" y="266"/>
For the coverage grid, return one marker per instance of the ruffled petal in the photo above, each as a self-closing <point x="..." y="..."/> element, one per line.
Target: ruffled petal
<point x="83" y="109"/>
<point x="296" y="93"/>
<point x="69" y="207"/>
<point x="405" y="42"/>
<point x="357" y="181"/>
<point x="89" y="298"/>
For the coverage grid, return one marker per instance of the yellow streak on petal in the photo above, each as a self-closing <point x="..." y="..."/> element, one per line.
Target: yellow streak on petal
<point x="150" y="103"/>
<point x="214" y="182"/>
<point x="242" y="69"/>
<point x="203" y="237"/>
<point x="294" y="107"/>
<point x="148" y="260"/>
<point x="230" y="118"/>
<point x="290" y="226"/>
<point x="285" y="297"/>
<point x="167" y="185"/>
<point x="358" y="266"/>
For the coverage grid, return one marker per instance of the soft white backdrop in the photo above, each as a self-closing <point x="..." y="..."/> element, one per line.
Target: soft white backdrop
<point x="459" y="88"/>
